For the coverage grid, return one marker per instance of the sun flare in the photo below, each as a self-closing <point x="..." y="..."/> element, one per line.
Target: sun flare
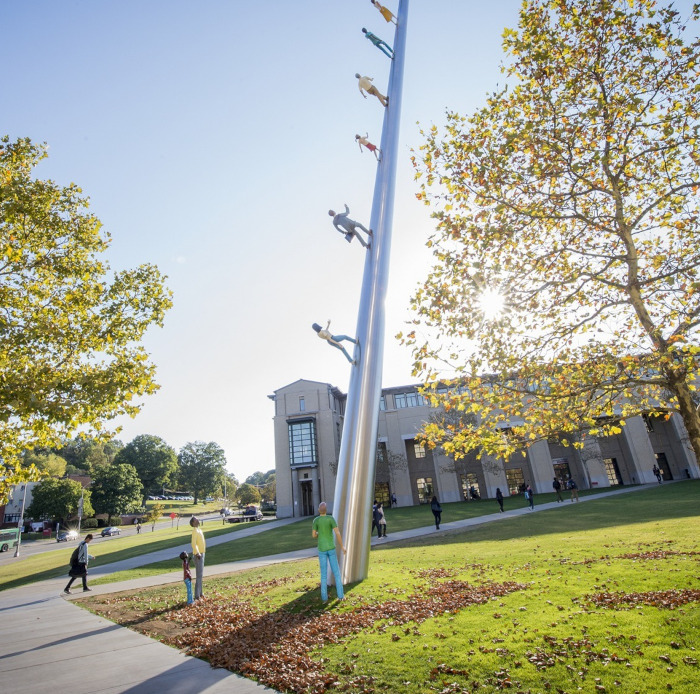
<point x="492" y="304"/>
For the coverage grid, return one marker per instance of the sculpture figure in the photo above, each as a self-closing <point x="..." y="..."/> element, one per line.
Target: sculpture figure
<point x="382" y="45"/>
<point x="387" y="14"/>
<point x="349" y="227"/>
<point x="335" y="340"/>
<point x="364" y="84"/>
<point x="372" y="148"/>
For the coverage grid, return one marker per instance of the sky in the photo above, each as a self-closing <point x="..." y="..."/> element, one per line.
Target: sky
<point x="212" y="138"/>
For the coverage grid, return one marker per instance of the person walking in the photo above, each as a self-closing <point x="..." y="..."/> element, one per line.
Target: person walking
<point x="324" y="529"/>
<point x="529" y="495"/>
<point x="573" y="487"/>
<point x="187" y="576"/>
<point x="499" y="498"/>
<point x="556" y="485"/>
<point x="381" y="523"/>
<point x="657" y="472"/>
<point x="375" y="519"/>
<point x="437" y="511"/>
<point x="199" y="547"/>
<point x="80" y="564"/>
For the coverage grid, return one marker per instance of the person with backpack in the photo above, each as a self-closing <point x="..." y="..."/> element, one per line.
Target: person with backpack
<point x="556" y="485"/>
<point x="437" y="511"/>
<point x="530" y="497"/>
<point x="574" y="489"/>
<point x="79" y="563"/>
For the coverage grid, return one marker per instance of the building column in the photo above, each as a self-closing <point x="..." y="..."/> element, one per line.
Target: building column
<point x="494" y="477"/>
<point x="592" y="463"/>
<point x="540" y="467"/>
<point x="643" y="457"/>
<point x="688" y="460"/>
<point x="296" y="510"/>
<point x="316" y="489"/>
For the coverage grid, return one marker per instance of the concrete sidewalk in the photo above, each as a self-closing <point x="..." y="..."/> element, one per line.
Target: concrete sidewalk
<point x="48" y="645"/>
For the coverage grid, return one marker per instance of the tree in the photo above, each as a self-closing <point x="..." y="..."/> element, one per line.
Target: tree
<point x="154" y="514"/>
<point x="88" y="453"/>
<point x="70" y="351"/>
<point x="154" y="460"/>
<point x="569" y="202"/>
<point x="247" y="494"/>
<point x="50" y="463"/>
<point x="59" y="500"/>
<point x="116" y="489"/>
<point x="202" y="467"/>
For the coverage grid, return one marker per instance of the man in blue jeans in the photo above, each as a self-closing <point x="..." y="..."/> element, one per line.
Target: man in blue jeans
<point x="324" y="527"/>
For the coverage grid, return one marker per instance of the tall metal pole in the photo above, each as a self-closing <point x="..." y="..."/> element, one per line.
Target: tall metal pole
<point x="21" y="520"/>
<point x="352" y="504"/>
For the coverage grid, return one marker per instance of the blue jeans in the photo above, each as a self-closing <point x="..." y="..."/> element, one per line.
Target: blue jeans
<point x="325" y="558"/>
<point x="188" y="585"/>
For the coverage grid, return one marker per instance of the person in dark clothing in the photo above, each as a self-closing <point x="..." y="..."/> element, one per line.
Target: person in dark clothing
<point x="529" y="495"/>
<point x="499" y="498"/>
<point x="657" y="472"/>
<point x="79" y="567"/>
<point x="437" y="511"/>
<point x="376" y="516"/>
<point x="556" y="485"/>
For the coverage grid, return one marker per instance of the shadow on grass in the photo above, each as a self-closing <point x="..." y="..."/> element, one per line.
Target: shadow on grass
<point x="665" y="502"/>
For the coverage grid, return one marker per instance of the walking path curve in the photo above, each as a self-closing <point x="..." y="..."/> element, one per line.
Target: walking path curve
<point x="49" y="645"/>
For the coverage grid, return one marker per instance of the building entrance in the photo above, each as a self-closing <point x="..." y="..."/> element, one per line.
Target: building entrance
<point x="307" y="502"/>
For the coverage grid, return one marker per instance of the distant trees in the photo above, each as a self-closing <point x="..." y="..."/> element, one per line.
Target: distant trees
<point x="247" y="494"/>
<point x="50" y="463"/>
<point x="202" y="468"/>
<point x="59" y="500"/>
<point x="155" y="462"/>
<point x="116" y="489"/>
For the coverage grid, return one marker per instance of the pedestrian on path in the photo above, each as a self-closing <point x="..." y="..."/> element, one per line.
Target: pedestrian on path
<point x="375" y="518"/>
<point x="571" y="484"/>
<point x="657" y="472"/>
<point x="79" y="564"/>
<point x="437" y="511"/>
<point x="199" y="546"/>
<point x="499" y="498"/>
<point x="187" y="576"/>
<point x="324" y="529"/>
<point x="381" y="529"/>
<point x="556" y="485"/>
<point x="530" y="497"/>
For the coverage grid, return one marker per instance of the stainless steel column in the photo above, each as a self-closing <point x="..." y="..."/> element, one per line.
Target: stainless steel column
<point x="352" y="504"/>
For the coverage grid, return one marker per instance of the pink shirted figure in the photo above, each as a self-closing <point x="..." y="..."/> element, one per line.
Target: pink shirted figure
<point x="372" y="148"/>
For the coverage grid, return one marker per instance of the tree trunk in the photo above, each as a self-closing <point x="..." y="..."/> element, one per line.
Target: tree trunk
<point x="686" y="408"/>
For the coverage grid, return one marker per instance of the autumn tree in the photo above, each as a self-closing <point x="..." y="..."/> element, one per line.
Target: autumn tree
<point x="202" y="467"/>
<point x="59" y="500"/>
<point x="154" y="460"/>
<point x="70" y="332"/>
<point x="154" y="514"/>
<point x="116" y="489"/>
<point x="565" y="290"/>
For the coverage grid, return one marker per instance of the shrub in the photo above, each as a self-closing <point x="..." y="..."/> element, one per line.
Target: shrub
<point x="89" y="523"/>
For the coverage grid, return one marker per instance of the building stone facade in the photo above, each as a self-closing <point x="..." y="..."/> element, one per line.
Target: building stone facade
<point x="308" y="424"/>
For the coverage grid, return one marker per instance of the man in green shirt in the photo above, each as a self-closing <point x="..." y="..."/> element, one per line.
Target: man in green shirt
<point x="324" y="528"/>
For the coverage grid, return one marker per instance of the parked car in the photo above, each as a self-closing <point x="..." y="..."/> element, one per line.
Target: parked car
<point x="67" y="536"/>
<point x="110" y="531"/>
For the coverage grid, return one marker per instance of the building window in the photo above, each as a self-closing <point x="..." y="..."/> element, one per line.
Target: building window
<point x="561" y="470"/>
<point x="470" y="485"/>
<point x="613" y="471"/>
<point x="418" y="449"/>
<point x="662" y="462"/>
<point x="302" y="442"/>
<point x="402" y="400"/>
<point x="302" y="404"/>
<point x="515" y="480"/>
<point x="425" y="489"/>
<point x="381" y="493"/>
<point x="382" y="404"/>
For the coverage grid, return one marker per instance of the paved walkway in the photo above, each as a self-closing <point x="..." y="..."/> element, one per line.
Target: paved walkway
<point x="50" y="646"/>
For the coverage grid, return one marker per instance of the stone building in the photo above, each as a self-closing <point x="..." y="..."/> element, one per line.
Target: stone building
<point x="308" y="424"/>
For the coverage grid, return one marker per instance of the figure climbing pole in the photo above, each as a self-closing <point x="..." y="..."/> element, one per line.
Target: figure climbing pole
<point x="354" y="488"/>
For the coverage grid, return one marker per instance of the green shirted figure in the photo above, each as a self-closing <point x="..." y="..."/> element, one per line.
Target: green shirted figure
<point x="325" y="529"/>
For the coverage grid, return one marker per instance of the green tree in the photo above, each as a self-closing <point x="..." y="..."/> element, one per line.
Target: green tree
<point x="154" y="514"/>
<point x="154" y="460"/>
<point x="88" y="453"/>
<point x="59" y="500"/>
<point x="116" y="489"/>
<point x="247" y="494"/>
<point x="70" y="335"/>
<point x="50" y="463"/>
<point x="202" y="468"/>
<point x="569" y="202"/>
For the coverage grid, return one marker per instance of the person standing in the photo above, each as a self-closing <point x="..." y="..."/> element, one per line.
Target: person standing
<point x="187" y="576"/>
<point x="437" y="511"/>
<point x="499" y="498"/>
<point x="529" y="495"/>
<point x="79" y="567"/>
<point x="556" y="485"/>
<point x="324" y="529"/>
<point x="199" y="546"/>
<point x="375" y="519"/>
<point x="381" y="523"/>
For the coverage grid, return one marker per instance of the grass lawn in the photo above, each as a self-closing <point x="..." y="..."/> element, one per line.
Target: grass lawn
<point x="51" y="564"/>
<point x="595" y="597"/>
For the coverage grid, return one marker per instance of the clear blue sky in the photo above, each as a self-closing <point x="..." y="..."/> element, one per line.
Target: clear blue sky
<point x="212" y="138"/>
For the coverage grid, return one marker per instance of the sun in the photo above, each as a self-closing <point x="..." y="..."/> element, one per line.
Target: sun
<point x="491" y="304"/>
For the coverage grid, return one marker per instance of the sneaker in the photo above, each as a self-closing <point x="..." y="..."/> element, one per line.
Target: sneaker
<point x="67" y="591"/>
<point x="87" y="590"/>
